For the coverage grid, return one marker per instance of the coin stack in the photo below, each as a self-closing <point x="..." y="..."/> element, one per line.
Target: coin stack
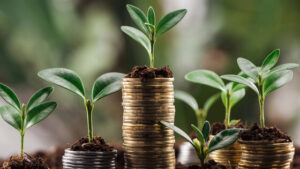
<point x="147" y="143"/>
<point x="266" y="154"/>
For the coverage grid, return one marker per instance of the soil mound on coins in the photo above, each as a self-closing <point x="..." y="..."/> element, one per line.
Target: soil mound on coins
<point x="145" y="72"/>
<point x="25" y="162"/>
<point x="211" y="164"/>
<point x="98" y="144"/>
<point x="217" y="127"/>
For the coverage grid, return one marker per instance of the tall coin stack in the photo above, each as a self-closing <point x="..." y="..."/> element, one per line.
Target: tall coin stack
<point x="148" y="144"/>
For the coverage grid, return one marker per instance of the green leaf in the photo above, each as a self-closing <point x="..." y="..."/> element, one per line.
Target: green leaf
<point x="9" y="96"/>
<point x="223" y="139"/>
<point x="206" y="77"/>
<point x="280" y="68"/>
<point x="106" y="84"/>
<point x="248" y="68"/>
<point x="199" y="134"/>
<point x="151" y="15"/>
<point x="277" y="80"/>
<point x="65" y="78"/>
<point x="169" y="21"/>
<point x="187" y="98"/>
<point x="138" y="17"/>
<point x="178" y="131"/>
<point x="11" y="116"/>
<point x="210" y="102"/>
<point x="237" y="96"/>
<point x="206" y="130"/>
<point x="38" y="97"/>
<point x="242" y="80"/>
<point x="270" y="60"/>
<point x="233" y="122"/>
<point x="138" y="36"/>
<point x="39" y="113"/>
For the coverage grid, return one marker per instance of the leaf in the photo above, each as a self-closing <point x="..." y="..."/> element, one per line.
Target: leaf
<point x="11" y="116"/>
<point x="233" y="122"/>
<point x="38" y="97"/>
<point x="280" y="68"/>
<point x="242" y="80"/>
<point x="106" y="84"/>
<point x="206" y="77"/>
<point x="206" y="130"/>
<point x="187" y="98"/>
<point x="248" y="68"/>
<point x="9" y="96"/>
<point x="65" y="78"/>
<point x="223" y="139"/>
<point x="39" y="113"/>
<point x="199" y="134"/>
<point x="169" y="21"/>
<point x="138" y="36"/>
<point x="210" y="101"/>
<point x="270" y="60"/>
<point x="178" y="131"/>
<point x="138" y="17"/>
<point x="151" y="15"/>
<point x="237" y="96"/>
<point x="277" y="80"/>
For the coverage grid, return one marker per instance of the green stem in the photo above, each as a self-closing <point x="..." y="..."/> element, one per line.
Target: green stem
<point x="89" y="106"/>
<point x="22" y="131"/>
<point x="152" y="40"/>
<point x="201" y="116"/>
<point x="261" y="99"/>
<point x="22" y="143"/>
<point x="228" y="110"/>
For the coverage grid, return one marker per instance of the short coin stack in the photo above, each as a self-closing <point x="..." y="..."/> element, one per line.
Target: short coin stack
<point x="148" y="144"/>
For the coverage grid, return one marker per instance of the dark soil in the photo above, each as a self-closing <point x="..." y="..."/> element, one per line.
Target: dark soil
<point x="145" y="72"/>
<point x="120" y="162"/>
<point x="296" y="162"/>
<point x="217" y="127"/>
<point x="255" y="132"/>
<point x="211" y="164"/>
<point x="27" y="162"/>
<point x="98" y="144"/>
<point x="53" y="159"/>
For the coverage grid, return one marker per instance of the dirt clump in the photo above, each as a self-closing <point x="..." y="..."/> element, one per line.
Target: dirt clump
<point x="145" y="72"/>
<point x="98" y="144"/>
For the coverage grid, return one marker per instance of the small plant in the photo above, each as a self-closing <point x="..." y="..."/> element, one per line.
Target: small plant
<point x="203" y="148"/>
<point x="104" y="85"/>
<point x="25" y="116"/>
<point x="149" y="30"/>
<point x="264" y="79"/>
<point x="231" y="93"/>
<point x="201" y="113"/>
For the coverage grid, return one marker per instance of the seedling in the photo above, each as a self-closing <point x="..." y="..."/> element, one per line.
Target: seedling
<point x="104" y="85"/>
<point x="25" y="116"/>
<point x="201" y="113"/>
<point x="231" y="93"/>
<point x="149" y="30"/>
<point x="202" y="146"/>
<point x="264" y="79"/>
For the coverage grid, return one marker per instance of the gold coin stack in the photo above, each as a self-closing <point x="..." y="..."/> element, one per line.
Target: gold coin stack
<point x="229" y="156"/>
<point x="148" y="144"/>
<point x="266" y="155"/>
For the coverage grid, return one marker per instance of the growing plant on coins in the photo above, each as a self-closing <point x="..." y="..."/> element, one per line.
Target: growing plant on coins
<point x="203" y="148"/>
<point x="231" y="93"/>
<point x="149" y="30"/>
<point x="200" y="113"/>
<point x="264" y="79"/>
<point x="104" y="85"/>
<point x="22" y="117"/>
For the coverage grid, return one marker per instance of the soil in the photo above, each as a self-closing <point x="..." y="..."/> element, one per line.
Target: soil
<point x="120" y="157"/>
<point x="25" y="162"/>
<point x="296" y="162"/>
<point x="217" y="127"/>
<point x="255" y="132"/>
<point x="53" y="159"/>
<point x="211" y="164"/>
<point x="145" y="72"/>
<point x="98" y="144"/>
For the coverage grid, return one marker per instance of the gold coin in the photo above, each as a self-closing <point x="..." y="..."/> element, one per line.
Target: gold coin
<point x="148" y="80"/>
<point x="161" y="149"/>
<point x="147" y="139"/>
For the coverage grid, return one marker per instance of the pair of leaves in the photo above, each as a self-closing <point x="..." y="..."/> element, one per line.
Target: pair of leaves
<point x="236" y="94"/>
<point x="104" y="85"/>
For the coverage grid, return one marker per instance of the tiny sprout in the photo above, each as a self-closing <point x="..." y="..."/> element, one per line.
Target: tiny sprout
<point x="25" y="116"/>
<point x="149" y="30"/>
<point x="264" y="79"/>
<point x="104" y="85"/>
<point x="231" y="93"/>
<point x="202" y="146"/>
<point x="201" y="113"/>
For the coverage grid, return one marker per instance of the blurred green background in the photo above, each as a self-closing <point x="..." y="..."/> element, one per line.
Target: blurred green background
<point x="85" y="35"/>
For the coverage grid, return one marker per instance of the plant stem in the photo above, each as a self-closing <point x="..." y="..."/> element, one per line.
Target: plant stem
<point x="261" y="99"/>
<point x="152" y="40"/>
<point x="228" y="109"/>
<point x="22" y="132"/>
<point x="201" y="116"/>
<point x="89" y="106"/>
<point x="22" y="143"/>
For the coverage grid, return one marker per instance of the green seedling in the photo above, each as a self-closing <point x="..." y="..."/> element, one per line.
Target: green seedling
<point x="149" y="30"/>
<point x="202" y="146"/>
<point x="25" y="116"/>
<point x="264" y="79"/>
<point x="231" y="93"/>
<point x="200" y="113"/>
<point x="104" y="85"/>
